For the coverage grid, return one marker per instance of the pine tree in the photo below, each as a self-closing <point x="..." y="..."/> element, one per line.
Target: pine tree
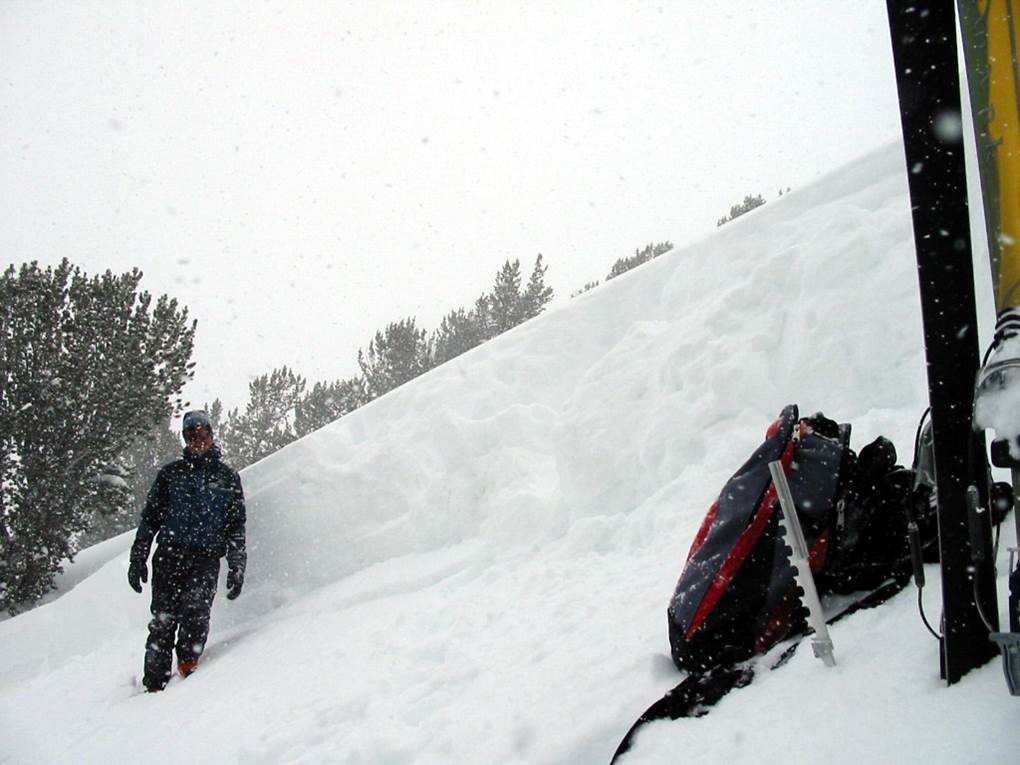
<point x="328" y="402"/>
<point x="215" y="412"/>
<point x="267" y="424"/>
<point x="458" y="332"/>
<point x="749" y="203"/>
<point x="485" y="324"/>
<point x="537" y="295"/>
<point x="505" y="307"/>
<point x="586" y="288"/>
<point x="650" y="252"/>
<point x="86" y="365"/>
<point x="134" y="471"/>
<point x="493" y="313"/>
<point x="394" y="357"/>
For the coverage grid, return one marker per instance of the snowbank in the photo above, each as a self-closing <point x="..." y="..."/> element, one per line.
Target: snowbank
<point x="475" y="568"/>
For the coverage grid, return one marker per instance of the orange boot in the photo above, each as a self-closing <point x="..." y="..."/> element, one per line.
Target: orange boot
<point x="187" y="667"/>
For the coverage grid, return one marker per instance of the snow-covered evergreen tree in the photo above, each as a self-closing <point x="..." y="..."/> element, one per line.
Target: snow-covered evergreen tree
<point x="537" y="294"/>
<point x="649" y="252"/>
<point x="326" y="402"/>
<point x="749" y="203"/>
<point x="114" y="510"/>
<point x="458" y="332"/>
<point x="505" y="306"/>
<point x="134" y="471"/>
<point x="87" y="364"/>
<point x="395" y="356"/>
<point x="267" y="423"/>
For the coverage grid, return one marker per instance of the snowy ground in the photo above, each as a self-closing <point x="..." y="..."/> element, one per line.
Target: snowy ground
<point x="475" y="568"/>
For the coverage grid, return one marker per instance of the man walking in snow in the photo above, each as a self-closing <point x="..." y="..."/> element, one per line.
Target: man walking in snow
<point x="196" y="506"/>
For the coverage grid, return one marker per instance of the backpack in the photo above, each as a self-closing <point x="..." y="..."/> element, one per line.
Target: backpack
<point x="736" y="596"/>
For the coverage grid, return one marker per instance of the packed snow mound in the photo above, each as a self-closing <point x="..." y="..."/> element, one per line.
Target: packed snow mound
<point x="594" y="408"/>
<point x="475" y="567"/>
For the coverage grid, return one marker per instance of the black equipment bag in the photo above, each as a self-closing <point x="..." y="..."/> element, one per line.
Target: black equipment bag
<point x="736" y="596"/>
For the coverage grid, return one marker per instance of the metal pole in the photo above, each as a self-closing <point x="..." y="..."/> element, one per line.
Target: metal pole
<point x="821" y="643"/>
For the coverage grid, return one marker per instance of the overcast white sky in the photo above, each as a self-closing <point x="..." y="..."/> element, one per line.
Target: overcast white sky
<point x="301" y="173"/>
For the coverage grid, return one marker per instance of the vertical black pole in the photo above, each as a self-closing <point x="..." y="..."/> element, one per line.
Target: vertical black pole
<point x="927" y="76"/>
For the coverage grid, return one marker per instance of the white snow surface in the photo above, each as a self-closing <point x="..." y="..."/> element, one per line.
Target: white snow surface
<point x="475" y="568"/>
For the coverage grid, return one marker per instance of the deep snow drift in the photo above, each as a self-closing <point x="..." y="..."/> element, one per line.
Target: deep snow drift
<point x="475" y="568"/>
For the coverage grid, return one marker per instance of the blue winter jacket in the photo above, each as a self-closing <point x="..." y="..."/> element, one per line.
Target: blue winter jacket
<point x="195" y="505"/>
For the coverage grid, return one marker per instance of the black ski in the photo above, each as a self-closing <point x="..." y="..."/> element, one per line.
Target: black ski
<point x="923" y="36"/>
<point x="698" y="692"/>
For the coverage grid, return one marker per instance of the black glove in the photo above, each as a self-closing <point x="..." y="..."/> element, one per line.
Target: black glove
<point x="138" y="572"/>
<point x="235" y="581"/>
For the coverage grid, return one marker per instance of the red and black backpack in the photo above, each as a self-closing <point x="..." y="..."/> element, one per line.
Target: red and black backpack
<point x="736" y="596"/>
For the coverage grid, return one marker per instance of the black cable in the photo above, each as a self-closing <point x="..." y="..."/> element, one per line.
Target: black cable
<point x="998" y="529"/>
<point x="981" y="611"/>
<point x="917" y="434"/>
<point x="920" y="608"/>
<point x="919" y="575"/>
<point x="988" y="352"/>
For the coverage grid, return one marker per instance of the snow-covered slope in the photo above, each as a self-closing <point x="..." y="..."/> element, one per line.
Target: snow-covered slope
<point x="475" y="568"/>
